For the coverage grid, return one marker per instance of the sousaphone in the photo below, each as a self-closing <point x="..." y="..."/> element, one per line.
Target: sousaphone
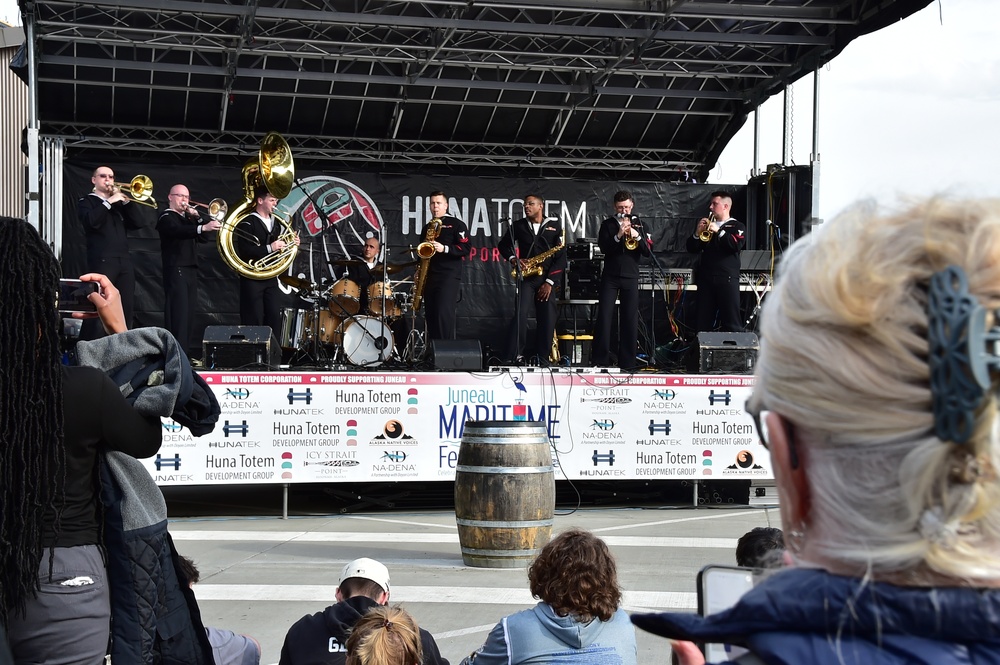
<point x="275" y="169"/>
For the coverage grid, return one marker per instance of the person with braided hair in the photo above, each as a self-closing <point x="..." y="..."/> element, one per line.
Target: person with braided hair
<point x="385" y="636"/>
<point x="579" y="618"/>
<point x="877" y="393"/>
<point x="54" y="419"/>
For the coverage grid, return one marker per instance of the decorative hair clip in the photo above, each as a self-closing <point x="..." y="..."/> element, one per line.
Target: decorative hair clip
<point x="962" y="354"/>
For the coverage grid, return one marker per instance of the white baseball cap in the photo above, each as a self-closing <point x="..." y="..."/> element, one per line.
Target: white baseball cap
<point x="368" y="569"/>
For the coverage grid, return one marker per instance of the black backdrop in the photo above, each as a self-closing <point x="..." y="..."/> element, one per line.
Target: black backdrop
<point x="394" y="206"/>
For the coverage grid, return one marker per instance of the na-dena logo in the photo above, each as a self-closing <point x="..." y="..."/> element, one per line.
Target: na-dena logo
<point x="393" y="435"/>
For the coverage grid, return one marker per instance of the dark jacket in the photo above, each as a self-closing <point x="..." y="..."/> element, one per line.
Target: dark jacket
<point x="810" y="616"/>
<point x="550" y="235"/>
<point x="620" y="261"/>
<point x="320" y="639"/>
<point x="721" y="254"/>
<point x="155" y="617"/>
<point x="454" y="234"/>
<point x="104" y="227"/>
<point x="178" y="238"/>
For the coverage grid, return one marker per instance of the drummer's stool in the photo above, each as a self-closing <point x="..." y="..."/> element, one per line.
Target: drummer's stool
<point x="240" y="347"/>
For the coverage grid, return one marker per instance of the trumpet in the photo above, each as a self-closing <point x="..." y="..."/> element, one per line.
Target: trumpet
<point x="707" y="234"/>
<point x="216" y="208"/>
<point x="139" y="189"/>
<point x="630" y="242"/>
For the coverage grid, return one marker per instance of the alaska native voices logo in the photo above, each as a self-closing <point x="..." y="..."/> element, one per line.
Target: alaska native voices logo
<point x="393" y="435"/>
<point x="744" y="460"/>
<point x="333" y="218"/>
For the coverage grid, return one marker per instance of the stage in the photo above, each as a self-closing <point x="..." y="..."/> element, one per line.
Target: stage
<point x="289" y="427"/>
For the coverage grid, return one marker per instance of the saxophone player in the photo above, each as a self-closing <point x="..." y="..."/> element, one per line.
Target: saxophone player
<point x="534" y="244"/>
<point x="444" y="270"/>
<point x="623" y="241"/>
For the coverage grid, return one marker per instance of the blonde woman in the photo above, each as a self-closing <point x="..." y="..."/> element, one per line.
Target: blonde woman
<point x="385" y="636"/>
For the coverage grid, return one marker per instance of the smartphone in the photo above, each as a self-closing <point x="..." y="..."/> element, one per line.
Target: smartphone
<point x="719" y="588"/>
<point x="73" y="295"/>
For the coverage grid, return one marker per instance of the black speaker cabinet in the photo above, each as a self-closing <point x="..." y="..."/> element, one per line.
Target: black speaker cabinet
<point x="240" y="347"/>
<point x="457" y="355"/>
<point x="727" y="353"/>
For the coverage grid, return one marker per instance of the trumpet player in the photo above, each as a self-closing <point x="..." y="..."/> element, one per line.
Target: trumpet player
<point x="534" y="236"/>
<point x="260" y="235"/>
<point x="624" y="241"/>
<point x="719" y="238"/>
<point x="105" y="213"/>
<point x="181" y="229"/>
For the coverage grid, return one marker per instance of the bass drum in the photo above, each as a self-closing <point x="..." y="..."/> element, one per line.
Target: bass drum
<point x="367" y="341"/>
<point x="293" y="330"/>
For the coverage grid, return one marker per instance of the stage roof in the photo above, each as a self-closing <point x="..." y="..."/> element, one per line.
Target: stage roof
<point x="554" y="88"/>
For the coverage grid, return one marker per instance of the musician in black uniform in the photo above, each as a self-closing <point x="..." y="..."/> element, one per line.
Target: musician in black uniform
<point x="534" y="235"/>
<point x="718" y="273"/>
<point x="181" y="229"/>
<point x="444" y="273"/>
<point x="620" y="280"/>
<point x="361" y="273"/>
<point x="257" y="235"/>
<point x="105" y="213"/>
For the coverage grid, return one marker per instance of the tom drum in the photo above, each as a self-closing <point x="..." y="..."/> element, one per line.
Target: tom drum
<point x="382" y="301"/>
<point x="345" y="298"/>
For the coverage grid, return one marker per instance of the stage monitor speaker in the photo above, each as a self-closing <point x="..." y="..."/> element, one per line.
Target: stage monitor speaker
<point x="240" y="347"/>
<point x="727" y="352"/>
<point x="458" y="355"/>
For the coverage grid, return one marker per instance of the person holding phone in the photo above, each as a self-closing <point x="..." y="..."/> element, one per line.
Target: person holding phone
<point x="877" y="395"/>
<point x="54" y="421"/>
<point x="579" y="618"/>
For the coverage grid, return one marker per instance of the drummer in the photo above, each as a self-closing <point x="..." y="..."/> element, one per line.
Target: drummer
<point x="361" y="273"/>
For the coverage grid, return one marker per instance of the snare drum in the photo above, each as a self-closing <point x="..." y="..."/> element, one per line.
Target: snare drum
<point x="378" y="290"/>
<point x="292" y="327"/>
<point x="366" y="340"/>
<point x="345" y="297"/>
<point x="328" y="324"/>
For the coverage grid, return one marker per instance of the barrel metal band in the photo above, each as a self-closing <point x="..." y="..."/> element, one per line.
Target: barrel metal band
<point x="501" y="554"/>
<point x="500" y="470"/>
<point x="504" y="524"/>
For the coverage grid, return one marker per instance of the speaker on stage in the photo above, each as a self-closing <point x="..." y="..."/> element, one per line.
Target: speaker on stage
<point x="240" y="347"/>
<point x="726" y="352"/>
<point x="458" y="355"/>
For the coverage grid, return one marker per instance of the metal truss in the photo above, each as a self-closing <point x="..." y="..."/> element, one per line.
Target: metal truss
<point x="572" y="86"/>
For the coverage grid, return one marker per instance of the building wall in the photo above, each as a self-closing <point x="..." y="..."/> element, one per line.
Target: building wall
<point x="13" y="120"/>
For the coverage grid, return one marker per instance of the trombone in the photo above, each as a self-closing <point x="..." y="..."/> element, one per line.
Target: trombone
<point x="139" y="189"/>
<point x="216" y="208"/>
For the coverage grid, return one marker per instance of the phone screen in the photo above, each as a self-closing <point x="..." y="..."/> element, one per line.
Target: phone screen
<point x="73" y="295"/>
<point x="719" y="588"/>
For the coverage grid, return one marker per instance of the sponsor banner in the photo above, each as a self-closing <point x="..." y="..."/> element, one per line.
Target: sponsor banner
<point x="295" y="427"/>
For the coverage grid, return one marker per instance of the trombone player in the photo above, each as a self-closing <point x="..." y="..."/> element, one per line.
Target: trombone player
<point x="181" y="229"/>
<point x="719" y="239"/>
<point x="259" y="234"/>
<point x="105" y="213"/>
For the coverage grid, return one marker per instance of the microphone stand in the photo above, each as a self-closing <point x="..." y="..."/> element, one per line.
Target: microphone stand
<point x="518" y="279"/>
<point x="652" y="292"/>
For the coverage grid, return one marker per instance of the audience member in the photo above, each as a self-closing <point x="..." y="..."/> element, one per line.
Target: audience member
<point x="886" y="459"/>
<point x="54" y="421"/>
<point x="228" y="648"/>
<point x="384" y="636"/>
<point x="322" y="637"/>
<point x="578" y="619"/>
<point x="760" y="547"/>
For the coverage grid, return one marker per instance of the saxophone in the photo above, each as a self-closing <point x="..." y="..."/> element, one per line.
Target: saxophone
<point x="425" y="251"/>
<point x="533" y="266"/>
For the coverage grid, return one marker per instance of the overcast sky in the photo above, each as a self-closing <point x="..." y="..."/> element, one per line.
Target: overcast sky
<point x="912" y="109"/>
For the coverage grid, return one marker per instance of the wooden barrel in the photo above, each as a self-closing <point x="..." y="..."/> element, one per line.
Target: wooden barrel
<point x="505" y="492"/>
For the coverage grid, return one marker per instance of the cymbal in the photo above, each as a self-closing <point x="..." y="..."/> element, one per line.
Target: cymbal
<point x="297" y="283"/>
<point x="393" y="268"/>
<point x="346" y="262"/>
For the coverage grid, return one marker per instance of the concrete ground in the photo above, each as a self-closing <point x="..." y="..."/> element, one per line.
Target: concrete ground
<point x="260" y="573"/>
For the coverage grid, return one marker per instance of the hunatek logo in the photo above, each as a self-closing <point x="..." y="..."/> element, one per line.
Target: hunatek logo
<point x="301" y="396"/>
<point x="167" y="462"/>
<point x="717" y="398"/>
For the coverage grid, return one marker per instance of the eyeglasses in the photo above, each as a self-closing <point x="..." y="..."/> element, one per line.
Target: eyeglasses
<point x="793" y="452"/>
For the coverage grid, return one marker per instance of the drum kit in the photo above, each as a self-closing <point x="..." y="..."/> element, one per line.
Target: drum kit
<point x="336" y="329"/>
